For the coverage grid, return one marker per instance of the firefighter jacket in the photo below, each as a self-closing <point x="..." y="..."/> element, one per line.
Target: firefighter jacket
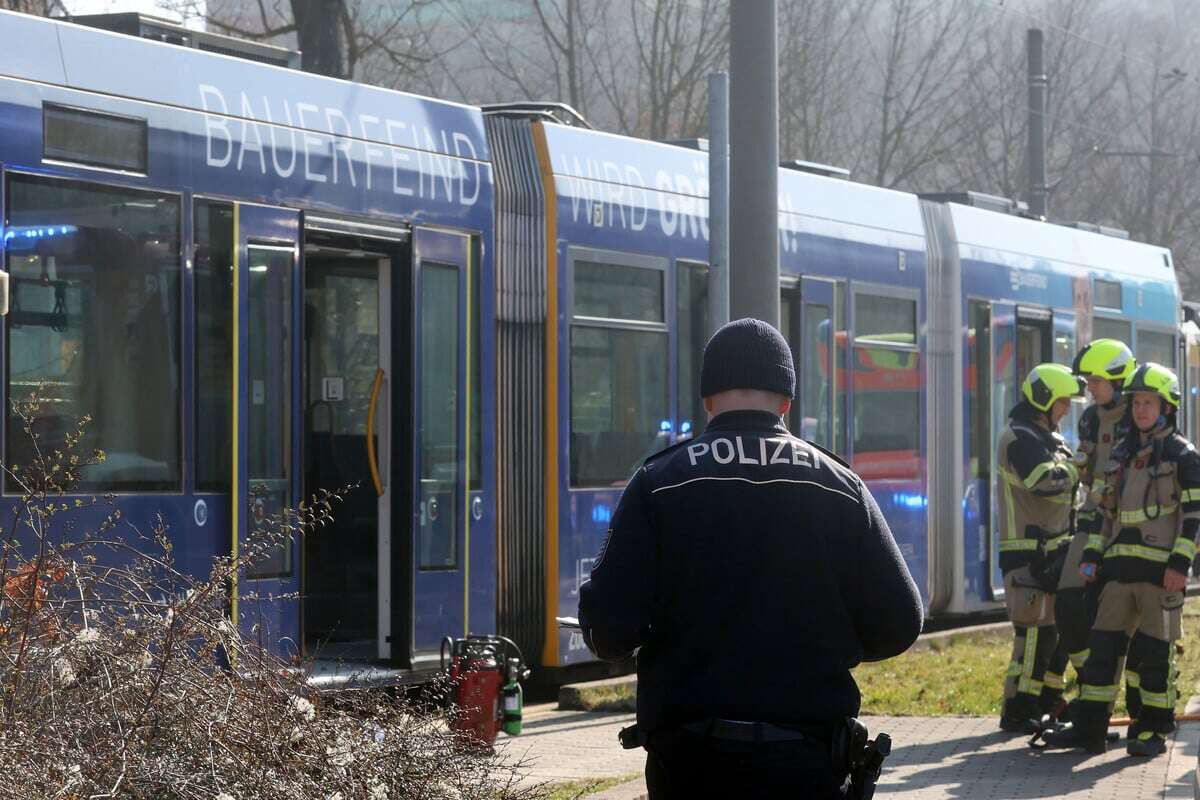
<point x="1150" y="510"/>
<point x="754" y="570"/>
<point x="1100" y="429"/>
<point x="1038" y="480"/>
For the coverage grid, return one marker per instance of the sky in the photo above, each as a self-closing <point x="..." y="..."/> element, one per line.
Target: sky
<point x="154" y="7"/>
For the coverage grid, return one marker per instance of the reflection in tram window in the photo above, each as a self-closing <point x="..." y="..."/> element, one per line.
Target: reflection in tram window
<point x="1156" y="346"/>
<point x="268" y="417"/>
<point x="440" y="465"/>
<point x="692" y="320"/>
<point x="94" y="322"/>
<point x="213" y="307"/>
<point x="1108" y="328"/>
<point x="887" y="389"/>
<point x="619" y="399"/>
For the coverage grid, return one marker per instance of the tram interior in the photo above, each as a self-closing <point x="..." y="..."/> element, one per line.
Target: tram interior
<point x="341" y="356"/>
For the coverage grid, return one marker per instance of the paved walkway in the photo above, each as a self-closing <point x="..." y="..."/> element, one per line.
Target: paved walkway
<point x="933" y="757"/>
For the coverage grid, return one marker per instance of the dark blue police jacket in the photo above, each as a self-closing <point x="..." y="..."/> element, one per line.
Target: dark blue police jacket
<point x="754" y="570"/>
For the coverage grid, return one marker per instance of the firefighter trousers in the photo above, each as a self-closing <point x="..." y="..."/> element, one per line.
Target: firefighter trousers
<point x="1138" y="621"/>
<point x="1031" y="610"/>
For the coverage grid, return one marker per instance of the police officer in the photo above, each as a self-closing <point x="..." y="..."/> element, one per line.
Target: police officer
<point x="1038" y="486"/>
<point x="754" y="570"/>
<point x="1104" y="364"/>
<point x="1144" y="548"/>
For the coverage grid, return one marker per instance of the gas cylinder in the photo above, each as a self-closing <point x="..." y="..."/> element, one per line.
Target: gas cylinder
<point x="512" y="698"/>
<point x="485" y="674"/>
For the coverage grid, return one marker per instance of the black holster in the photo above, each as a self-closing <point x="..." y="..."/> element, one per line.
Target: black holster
<point x="853" y="754"/>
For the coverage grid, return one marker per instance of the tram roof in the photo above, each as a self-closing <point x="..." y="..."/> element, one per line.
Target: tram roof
<point x="1028" y="243"/>
<point x="65" y="54"/>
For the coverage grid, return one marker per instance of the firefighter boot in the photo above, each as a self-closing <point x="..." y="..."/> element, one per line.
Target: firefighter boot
<point x="1021" y="714"/>
<point x="1147" y="744"/>
<point x="1069" y="736"/>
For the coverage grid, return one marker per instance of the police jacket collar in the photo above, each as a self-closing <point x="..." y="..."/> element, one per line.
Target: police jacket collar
<point x="747" y="420"/>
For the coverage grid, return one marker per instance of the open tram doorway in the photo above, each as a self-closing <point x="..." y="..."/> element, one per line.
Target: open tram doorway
<point x="348" y="442"/>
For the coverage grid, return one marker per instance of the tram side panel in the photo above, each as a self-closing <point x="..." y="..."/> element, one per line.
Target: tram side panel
<point x="216" y="141"/>
<point x="1028" y="292"/>
<point x="858" y="255"/>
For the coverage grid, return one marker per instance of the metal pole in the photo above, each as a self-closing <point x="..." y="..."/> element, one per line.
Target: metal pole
<point x="718" y="200"/>
<point x="1038" y="190"/>
<point x="754" y="162"/>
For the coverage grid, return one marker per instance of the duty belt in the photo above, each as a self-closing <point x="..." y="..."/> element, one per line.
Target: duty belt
<point x="740" y="731"/>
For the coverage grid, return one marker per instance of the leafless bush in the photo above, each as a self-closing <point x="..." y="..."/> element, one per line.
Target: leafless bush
<point x="122" y="676"/>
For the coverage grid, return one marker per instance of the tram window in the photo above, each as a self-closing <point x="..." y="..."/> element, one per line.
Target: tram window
<point x="1107" y="294"/>
<point x="83" y="136"/>
<point x="1156" y="346"/>
<point x="620" y="411"/>
<point x="94" y="322"/>
<point x="476" y="420"/>
<point x="618" y="402"/>
<point x="268" y="369"/>
<point x="1106" y="328"/>
<point x="440" y="465"/>
<point x="887" y="413"/>
<point x="815" y="376"/>
<point x="880" y="318"/>
<point x="978" y="379"/>
<point x="886" y="405"/>
<point x="691" y="282"/>
<point x="213" y="273"/>
<point x="616" y="291"/>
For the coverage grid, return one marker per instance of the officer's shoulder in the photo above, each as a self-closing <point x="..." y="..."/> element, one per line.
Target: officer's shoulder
<point x="832" y="455"/>
<point x="659" y="458"/>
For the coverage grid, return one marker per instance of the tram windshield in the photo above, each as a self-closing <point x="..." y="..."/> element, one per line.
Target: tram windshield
<point x="93" y="326"/>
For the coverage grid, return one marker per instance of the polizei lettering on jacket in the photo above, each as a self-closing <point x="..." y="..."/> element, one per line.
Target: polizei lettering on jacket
<point x="749" y="450"/>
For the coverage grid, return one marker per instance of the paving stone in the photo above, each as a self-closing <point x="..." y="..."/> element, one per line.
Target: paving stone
<point x="932" y="757"/>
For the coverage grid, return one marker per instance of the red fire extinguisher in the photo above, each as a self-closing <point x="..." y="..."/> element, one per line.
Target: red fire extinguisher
<point x="482" y="670"/>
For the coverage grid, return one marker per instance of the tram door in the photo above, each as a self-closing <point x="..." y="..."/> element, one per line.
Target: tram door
<point x="444" y="509"/>
<point x="266" y="480"/>
<point x="349" y="444"/>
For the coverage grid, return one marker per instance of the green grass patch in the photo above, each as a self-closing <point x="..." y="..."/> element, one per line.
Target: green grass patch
<point x="964" y="675"/>
<point x="618" y="697"/>
<point x="574" y="789"/>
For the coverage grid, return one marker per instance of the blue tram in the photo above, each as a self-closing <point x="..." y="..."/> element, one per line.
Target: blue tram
<point x="912" y="320"/>
<point x="260" y="283"/>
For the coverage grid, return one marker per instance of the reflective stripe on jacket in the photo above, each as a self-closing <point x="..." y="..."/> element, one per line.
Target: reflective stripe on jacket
<point x="1150" y="516"/>
<point x="1037" y="488"/>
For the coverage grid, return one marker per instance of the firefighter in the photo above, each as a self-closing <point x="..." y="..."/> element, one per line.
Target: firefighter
<point x="754" y="570"/>
<point x="1039" y="480"/>
<point x="1150" y="516"/>
<point x="1104" y="364"/>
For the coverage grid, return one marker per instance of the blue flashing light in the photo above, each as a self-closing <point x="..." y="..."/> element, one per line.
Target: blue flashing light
<point x="665" y="426"/>
<point x="1195" y="390"/>
<point x="601" y="514"/>
<point x="686" y="427"/>
<point x="909" y="500"/>
<point x="28" y="234"/>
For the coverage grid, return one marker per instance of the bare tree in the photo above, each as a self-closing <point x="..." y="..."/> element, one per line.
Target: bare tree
<point x="42" y="8"/>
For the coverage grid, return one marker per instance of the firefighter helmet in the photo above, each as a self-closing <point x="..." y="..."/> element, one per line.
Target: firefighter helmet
<point x="1050" y="382"/>
<point x="1110" y="359"/>
<point x="1156" y="378"/>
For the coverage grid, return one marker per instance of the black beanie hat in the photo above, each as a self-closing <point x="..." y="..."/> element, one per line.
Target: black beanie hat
<point x="747" y="354"/>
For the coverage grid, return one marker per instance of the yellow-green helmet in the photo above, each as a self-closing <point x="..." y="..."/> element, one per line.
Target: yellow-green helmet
<point x="1156" y="378"/>
<point x="1105" y="358"/>
<point x="1050" y="382"/>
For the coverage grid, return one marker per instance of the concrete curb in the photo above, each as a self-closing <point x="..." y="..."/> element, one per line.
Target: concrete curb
<point x="570" y="696"/>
